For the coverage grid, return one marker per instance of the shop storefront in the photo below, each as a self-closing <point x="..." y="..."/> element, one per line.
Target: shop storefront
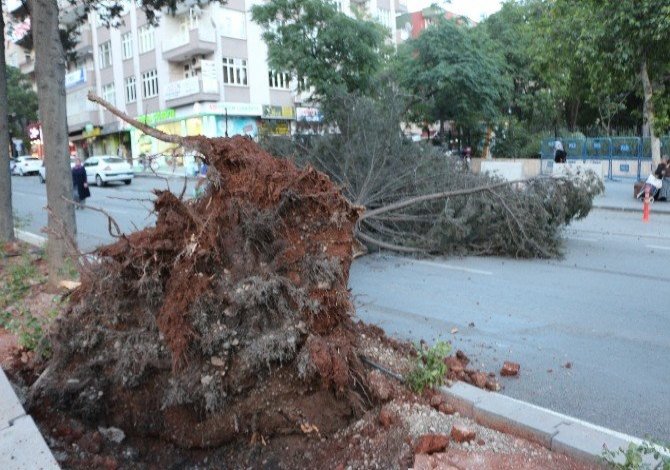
<point x="218" y="119"/>
<point x="276" y="120"/>
<point x="308" y="121"/>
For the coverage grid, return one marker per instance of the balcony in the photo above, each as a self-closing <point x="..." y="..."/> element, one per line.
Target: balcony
<point x="191" y="90"/>
<point x="189" y="43"/>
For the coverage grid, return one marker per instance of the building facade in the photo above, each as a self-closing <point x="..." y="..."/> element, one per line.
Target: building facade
<point x="202" y="70"/>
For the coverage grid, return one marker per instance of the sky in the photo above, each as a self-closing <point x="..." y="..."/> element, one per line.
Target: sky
<point x="474" y="9"/>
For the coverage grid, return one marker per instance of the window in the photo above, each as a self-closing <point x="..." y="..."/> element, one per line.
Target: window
<point x="105" y="54"/>
<point x="131" y="91"/>
<point x="150" y="84"/>
<point x="232" y="24"/>
<point x="279" y="80"/>
<point x="127" y="45"/>
<point x="146" y="34"/>
<point x="109" y="93"/>
<point x="234" y="71"/>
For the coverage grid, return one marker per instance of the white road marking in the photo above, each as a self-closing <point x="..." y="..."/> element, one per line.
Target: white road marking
<point x="582" y="239"/>
<point x="453" y="267"/>
<point x="658" y="247"/>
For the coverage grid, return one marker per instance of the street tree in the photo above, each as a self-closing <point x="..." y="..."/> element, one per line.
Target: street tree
<point x="50" y="64"/>
<point x="323" y="48"/>
<point x="21" y="102"/>
<point x="632" y="38"/>
<point x="454" y="75"/>
<point x="6" y="217"/>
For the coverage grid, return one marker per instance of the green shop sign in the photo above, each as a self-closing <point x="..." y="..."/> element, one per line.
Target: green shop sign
<point x="158" y="116"/>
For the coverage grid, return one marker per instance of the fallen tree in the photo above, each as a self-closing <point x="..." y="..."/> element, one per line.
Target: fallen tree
<point x="419" y="201"/>
<point x="230" y="317"/>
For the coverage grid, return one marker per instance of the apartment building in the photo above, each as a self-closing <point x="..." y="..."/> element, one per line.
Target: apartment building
<point x="202" y="70"/>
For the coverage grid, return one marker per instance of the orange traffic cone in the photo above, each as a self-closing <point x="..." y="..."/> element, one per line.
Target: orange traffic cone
<point x="645" y="210"/>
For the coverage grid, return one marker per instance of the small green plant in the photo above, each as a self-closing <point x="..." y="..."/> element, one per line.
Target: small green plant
<point x="28" y="328"/>
<point x="430" y="369"/>
<point x="634" y="456"/>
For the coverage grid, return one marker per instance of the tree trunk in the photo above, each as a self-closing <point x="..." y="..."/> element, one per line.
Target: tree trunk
<point x="6" y="217"/>
<point x="50" y="74"/>
<point x="648" y="114"/>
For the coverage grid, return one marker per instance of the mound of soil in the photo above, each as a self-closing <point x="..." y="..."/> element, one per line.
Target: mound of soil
<point x="231" y="317"/>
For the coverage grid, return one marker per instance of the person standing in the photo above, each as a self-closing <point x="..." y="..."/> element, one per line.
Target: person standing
<point x="559" y="154"/>
<point x="80" y="189"/>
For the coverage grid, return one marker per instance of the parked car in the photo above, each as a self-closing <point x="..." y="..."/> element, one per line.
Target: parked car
<point x="105" y="168"/>
<point x="26" y="165"/>
<point x="12" y="164"/>
<point x="43" y="171"/>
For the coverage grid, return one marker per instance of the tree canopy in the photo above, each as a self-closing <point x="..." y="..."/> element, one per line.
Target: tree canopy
<point x="454" y="74"/>
<point x="323" y="48"/>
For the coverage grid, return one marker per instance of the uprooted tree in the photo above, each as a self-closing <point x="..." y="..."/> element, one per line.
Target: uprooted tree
<point x="418" y="200"/>
<point x="230" y="317"/>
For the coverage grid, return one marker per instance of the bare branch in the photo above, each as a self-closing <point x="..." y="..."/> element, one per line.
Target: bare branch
<point x="189" y="142"/>
<point x="111" y="222"/>
<point x="388" y="246"/>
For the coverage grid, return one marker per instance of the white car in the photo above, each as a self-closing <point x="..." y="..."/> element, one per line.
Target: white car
<point x="26" y="165"/>
<point x="106" y="168"/>
<point x="43" y="171"/>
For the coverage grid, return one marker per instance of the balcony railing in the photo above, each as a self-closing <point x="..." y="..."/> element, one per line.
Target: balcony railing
<point x="191" y="90"/>
<point x="188" y="43"/>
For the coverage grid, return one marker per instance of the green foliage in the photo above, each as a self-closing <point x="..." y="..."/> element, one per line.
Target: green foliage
<point x="29" y="329"/>
<point x="21" y="102"/>
<point x="430" y="369"/>
<point x="633" y="457"/>
<point x="326" y="49"/>
<point x="454" y="73"/>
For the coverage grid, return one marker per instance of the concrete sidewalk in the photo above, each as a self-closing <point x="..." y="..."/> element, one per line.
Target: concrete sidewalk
<point x="21" y="444"/>
<point x="618" y="196"/>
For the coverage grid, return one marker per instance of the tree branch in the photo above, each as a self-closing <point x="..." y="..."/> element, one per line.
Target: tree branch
<point x="435" y="196"/>
<point x="388" y="246"/>
<point x="189" y="142"/>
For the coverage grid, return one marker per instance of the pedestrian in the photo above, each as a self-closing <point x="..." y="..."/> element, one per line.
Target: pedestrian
<point x="80" y="189"/>
<point x="559" y="154"/>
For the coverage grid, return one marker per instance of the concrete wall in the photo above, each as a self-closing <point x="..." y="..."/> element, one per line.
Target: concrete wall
<point x="531" y="167"/>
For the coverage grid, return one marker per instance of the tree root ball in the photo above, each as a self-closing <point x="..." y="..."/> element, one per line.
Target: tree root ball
<point x="230" y="317"/>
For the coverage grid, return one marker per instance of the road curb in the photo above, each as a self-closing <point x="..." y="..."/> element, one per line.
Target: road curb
<point x="555" y="431"/>
<point x="164" y="175"/>
<point x="631" y="209"/>
<point x="30" y="238"/>
<point x="21" y="443"/>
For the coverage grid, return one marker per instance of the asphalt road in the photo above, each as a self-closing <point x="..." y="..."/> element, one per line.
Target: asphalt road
<point x="129" y="205"/>
<point x="604" y="308"/>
